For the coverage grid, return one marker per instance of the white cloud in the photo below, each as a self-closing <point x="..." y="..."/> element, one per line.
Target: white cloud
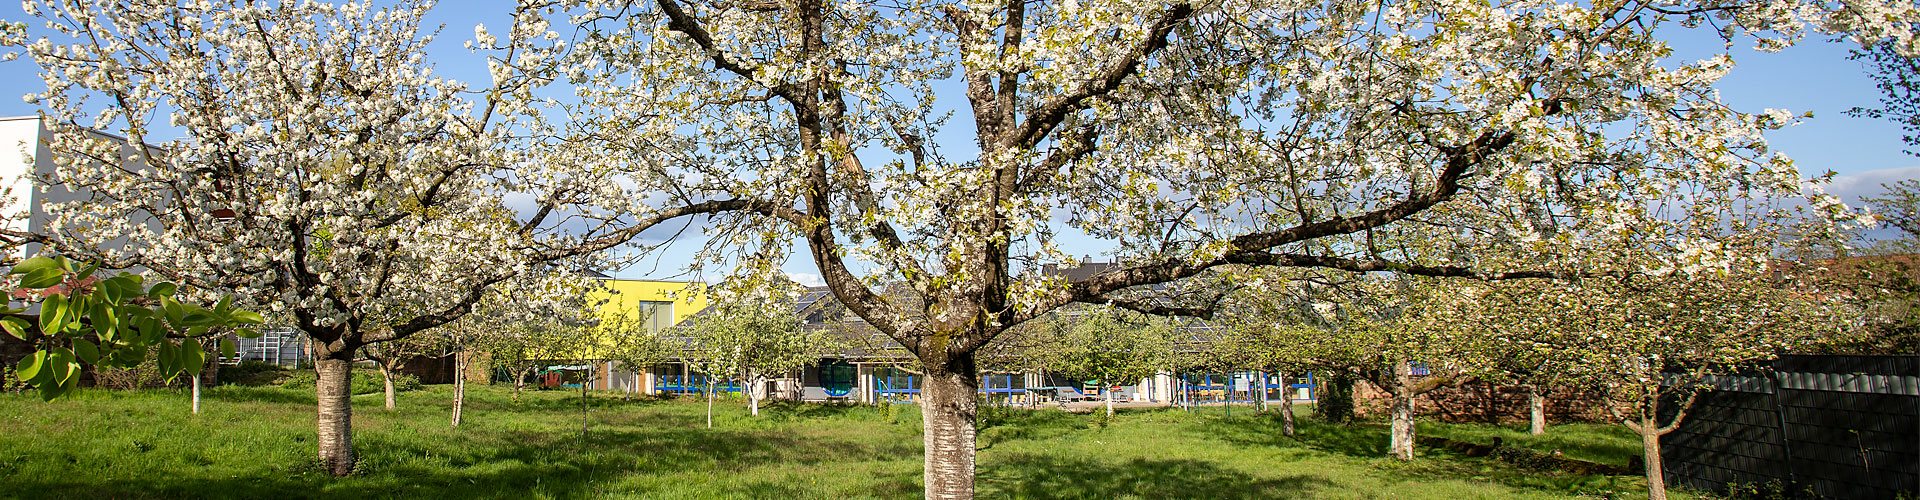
<point x="808" y="279"/>
<point x="1853" y="186"/>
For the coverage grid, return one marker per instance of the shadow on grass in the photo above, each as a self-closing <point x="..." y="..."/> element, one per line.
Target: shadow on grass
<point x="1369" y="440"/>
<point x="1021" y="425"/>
<point x="1042" y="476"/>
<point x="1359" y="439"/>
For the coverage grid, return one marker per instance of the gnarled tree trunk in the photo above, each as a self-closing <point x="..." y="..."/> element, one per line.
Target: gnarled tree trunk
<point x="1401" y="446"/>
<point x="949" y="409"/>
<point x="335" y="415"/>
<point x="1656" y="474"/>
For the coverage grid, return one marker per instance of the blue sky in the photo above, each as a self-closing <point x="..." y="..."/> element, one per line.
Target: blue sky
<point x="1814" y="76"/>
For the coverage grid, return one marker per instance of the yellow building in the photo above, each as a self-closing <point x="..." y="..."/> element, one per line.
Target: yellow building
<point x="654" y="305"/>
<point x="639" y="307"/>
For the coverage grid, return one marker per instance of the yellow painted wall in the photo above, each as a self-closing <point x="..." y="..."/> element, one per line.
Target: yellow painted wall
<point x="623" y="297"/>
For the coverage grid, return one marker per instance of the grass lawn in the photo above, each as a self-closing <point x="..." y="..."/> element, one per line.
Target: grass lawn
<point x="254" y="442"/>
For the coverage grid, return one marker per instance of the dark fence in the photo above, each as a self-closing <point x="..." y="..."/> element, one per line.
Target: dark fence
<point x="1806" y="426"/>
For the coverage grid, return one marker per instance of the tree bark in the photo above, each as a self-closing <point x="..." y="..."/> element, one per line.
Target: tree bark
<point x="949" y="409"/>
<point x="1650" y="449"/>
<point x="459" y="384"/>
<point x="387" y="373"/>
<point x="335" y="417"/>
<point x="1536" y="410"/>
<point x="520" y="381"/>
<point x="709" y="402"/>
<point x="1401" y="446"/>
<point x="1286" y="405"/>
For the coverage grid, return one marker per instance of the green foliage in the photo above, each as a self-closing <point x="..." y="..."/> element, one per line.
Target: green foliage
<point x="364" y="382"/>
<point x="253" y="373"/>
<point x="1899" y="207"/>
<point x="1898" y="77"/>
<point x="1336" y="397"/>
<point x="114" y="322"/>
<point x="141" y="376"/>
<point x="1110" y="345"/>
<point x="736" y="338"/>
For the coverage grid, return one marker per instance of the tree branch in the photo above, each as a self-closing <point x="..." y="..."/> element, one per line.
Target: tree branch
<point x="1049" y="115"/>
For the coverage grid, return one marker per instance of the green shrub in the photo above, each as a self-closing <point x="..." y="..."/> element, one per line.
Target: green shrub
<point x="364" y="381"/>
<point x="253" y="374"/>
<point x="143" y="376"/>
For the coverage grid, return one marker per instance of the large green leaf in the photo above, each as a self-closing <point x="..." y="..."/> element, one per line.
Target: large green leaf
<point x="32" y="367"/>
<point x="176" y="312"/>
<point x="226" y="349"/>
<point x="49" y="391"/>
<point x="35" y="264"/>
<point x="151" y="330"/>
<point x="88" y="271"/>
<point x="197" y="317"/>
<point x="61" y="360"/>
<point x="247" y="317"/>
<point x="53" y="315"/>
<point x="42" y="278"/>
<point x="163" y="290"/>
<point x="104" y="321"/>
<point x="192" y="357"/>
<point x="118" y="288"/>
<point x="88" y="353"/>
<point x="168" y="361"/>
<point x="16" y="326"/>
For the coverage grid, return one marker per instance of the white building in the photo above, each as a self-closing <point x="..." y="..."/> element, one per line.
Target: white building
<point x="25" y="156"/>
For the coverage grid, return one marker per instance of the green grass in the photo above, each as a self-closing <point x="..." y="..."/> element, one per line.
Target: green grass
<point x="258" y="443"/>
<point x="1604" y="443"/>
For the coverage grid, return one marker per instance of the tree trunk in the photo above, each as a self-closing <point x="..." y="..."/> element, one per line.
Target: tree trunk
<point x="749" y="384"/>
<point x="1226" y="387"/>
<point x="585" y="377"/>
<point x="1650" y="449"/>
<point x="949" y="409"/>
<point x="387" y="373"/>
<point x="459" y="384"/>
<point x="335" y="417"/>
<point x="1536" y="410"/>
<point x="1259" y="387"/>
<point x="1401" y="446"/>
<point x="196" y="394"/>
<point x="519" y="382"/>
<point x="1286" y="405"/>
<point x="709" y="402"/>
<point x="1109" y="391"/>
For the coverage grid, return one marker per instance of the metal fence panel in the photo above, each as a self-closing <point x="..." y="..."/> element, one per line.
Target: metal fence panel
<point x="1824" y="426"/>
